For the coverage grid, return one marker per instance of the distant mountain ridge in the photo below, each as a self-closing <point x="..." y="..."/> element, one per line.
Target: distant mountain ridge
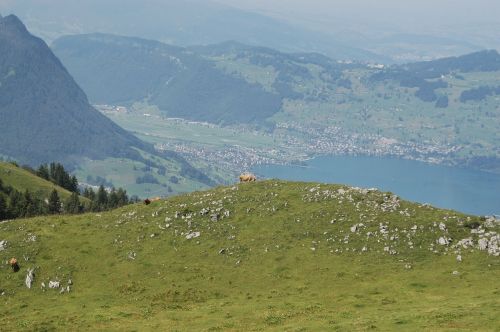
<point x="232" y="82"/>
<point x="178" y="81"/>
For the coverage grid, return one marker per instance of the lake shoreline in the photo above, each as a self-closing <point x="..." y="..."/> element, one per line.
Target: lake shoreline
<point x="463" y="189"/>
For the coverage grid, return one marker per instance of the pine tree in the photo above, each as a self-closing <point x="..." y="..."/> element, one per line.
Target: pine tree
<point x="29" y="205"/>
<point x="54" y="203"/>
<point x="101" y="198"/>
<point x="3" y="208"/>
<point x="73" y="204"/>
<point x="122" y="197"/>
<point x="89" y="193"/>
<point x="73" y="187"/>
<point x="112" y="199"/>
<point x="43" y="172"/>
<point x="15" y="204"/>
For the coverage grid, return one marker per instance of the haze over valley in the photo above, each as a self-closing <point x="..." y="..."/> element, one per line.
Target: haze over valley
<point x="365" y="137"/>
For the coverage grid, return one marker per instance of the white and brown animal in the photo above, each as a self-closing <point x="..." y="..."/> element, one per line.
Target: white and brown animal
<point x="148" y="201"/>
<point x="248" y="177"/>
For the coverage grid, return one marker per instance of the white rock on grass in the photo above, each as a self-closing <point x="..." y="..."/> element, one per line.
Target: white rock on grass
<point x="193" y="235"/>
<point x="483" y="244"/>
<point x="459" y="258"/>
<point x="494" y="246"/>
<point x="3" y="245"/>
<point x="54" y="284"/>
<point x="30" y="278"/>
<point x="443" y="241"/>
<point x="465" y="243"/>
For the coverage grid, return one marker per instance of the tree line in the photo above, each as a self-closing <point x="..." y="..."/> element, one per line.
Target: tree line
<point x="16" y="204"/>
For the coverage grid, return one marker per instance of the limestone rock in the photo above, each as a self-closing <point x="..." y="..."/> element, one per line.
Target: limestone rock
<point x="30" y="278"/>
<point x="54" y="284"/>
<point x="465" y="243"/>
<point x="483" y="244"/>
<point x="193" y="235"/>
<point x="444" y="241"/>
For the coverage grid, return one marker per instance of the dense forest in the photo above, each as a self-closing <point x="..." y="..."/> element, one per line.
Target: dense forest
<point x="479" y="93"/>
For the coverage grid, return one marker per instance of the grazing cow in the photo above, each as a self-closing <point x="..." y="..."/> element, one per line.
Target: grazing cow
<point x="248" y="177"/>
<point x="148" y="201"/>
<point x="13" y="263"/>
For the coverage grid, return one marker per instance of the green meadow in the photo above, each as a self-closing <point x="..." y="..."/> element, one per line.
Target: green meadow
<point x="265" y="256"/>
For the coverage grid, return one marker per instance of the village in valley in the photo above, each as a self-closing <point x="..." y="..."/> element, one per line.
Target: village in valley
<point x="241" y="148"/>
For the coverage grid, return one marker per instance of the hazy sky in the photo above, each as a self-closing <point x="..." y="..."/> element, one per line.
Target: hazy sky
<point x="468" y="24"/>
<point x="412" y="16"/>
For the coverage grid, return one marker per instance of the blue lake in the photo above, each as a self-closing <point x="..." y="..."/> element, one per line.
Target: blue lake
<point x="464" y="190"/>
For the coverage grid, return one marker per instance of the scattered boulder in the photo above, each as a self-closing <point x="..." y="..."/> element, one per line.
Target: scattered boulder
<point x="465" y="243"/>
<point x="30" y="278"/>
<point x="494" y="245"/>
<point x="459" y="258"/>
<point x="3" y="245"/>
<point x="444" y="241"/>
<point x="193" y="235"/>
<point x="483" y="244"/>
<point x="54" y="284"/>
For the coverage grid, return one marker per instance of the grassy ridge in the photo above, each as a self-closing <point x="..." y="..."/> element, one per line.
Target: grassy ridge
<point x="271" y="255"/>
<point x="21" y="180"/>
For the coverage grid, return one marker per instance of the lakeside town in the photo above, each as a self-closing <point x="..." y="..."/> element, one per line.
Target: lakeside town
<point x="299" y="143"/>
<point x="293" y="143"/>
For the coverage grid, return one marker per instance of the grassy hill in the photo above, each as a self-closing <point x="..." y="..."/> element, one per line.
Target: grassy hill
<point x="270" y="255"/>
<point x="21" y="180"/>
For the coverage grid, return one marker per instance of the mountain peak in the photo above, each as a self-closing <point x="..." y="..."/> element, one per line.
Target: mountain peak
<point x="44" y="115"/>
<point x="12" y="23"/>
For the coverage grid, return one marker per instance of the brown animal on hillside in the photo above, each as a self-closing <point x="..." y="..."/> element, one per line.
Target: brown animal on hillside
<point x="248" y="177"/>
<point x="13" y="263"/>
<point x="148" y="201"/>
